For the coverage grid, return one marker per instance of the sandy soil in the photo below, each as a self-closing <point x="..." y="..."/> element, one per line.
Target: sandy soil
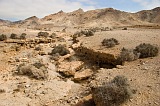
<point x="17" y="90"/>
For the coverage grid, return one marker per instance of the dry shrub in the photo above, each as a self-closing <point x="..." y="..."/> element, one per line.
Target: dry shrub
<point x="147" y="50"/>
<point x="110" y="42"/>
<point x="3" y="37"/>
<point x="113" y="93"/>
<point x="84" y="32"/>
<point x="55" y="57"/>
<point x="15" y="48"/>
<point x="43" y="34"/>
<point x="37" y="70"/>
<point x="74" y="38"/>
<point x="38" y="48"/>
<point x="14" y="36"/>
<point x="61" y="50"/>
<point x="53" y="35"/>
<point x="128" y="55"/>
<point x="78" y="34"/>
<point x="23" y="36"/>
<point x="88" y="33"/>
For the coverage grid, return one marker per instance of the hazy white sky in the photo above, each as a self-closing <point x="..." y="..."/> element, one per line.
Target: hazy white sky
<point x="22" y="9"/>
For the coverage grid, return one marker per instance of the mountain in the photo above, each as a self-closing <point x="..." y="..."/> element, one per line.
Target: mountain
<point x="30" y="22"/>
<point x="152" y="16"/>
<point x="94" y="18"/>
<point x="103" y="17"/>
<point x="4" y="22"/>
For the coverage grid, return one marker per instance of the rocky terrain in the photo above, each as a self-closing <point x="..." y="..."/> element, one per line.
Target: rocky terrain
<point x="73" y="59"/>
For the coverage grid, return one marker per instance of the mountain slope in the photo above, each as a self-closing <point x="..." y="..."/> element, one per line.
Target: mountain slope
<point x="103" y="17"/>
<point x="94" y="18"/>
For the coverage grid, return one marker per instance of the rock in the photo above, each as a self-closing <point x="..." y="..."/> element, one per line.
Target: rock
<point x="119" y="66"/>
<point x="42" y="53"/>
<point x="69" y="68"/>
<point x="24" y="60"/>
<point x="83" y="75"/>
<point x="86" y="101"/>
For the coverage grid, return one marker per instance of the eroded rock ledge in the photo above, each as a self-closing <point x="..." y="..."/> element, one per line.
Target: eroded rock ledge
<point x="101" y="58"/>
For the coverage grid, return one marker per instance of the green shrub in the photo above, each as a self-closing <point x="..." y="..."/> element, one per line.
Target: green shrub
<point x="113" y="93"/>
<point x="110" y="42"/>
<point x="43" y="34"/>
<point x="62" y="50"/>
<point x="14" y="36"/>
<point x="3" y="37"/>
<point x="23" y="36"/>
<point x="147" y="50"/>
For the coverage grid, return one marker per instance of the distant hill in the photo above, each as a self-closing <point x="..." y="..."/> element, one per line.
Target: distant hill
<point x="4" y="22"/>
<point x="94" y="18"/>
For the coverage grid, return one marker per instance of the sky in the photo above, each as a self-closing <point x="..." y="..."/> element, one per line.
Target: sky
<point x="15" y="10"/>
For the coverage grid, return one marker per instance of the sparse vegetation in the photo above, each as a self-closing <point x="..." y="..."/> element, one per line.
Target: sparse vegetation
<point x="38" y="48"/>
<point x="147" y="50"/>
<point x="43" y="34"/>
<point x="127" y="55"/>
<point x="55" y="57"/>
<point x="53" y="35"/>
<point x="23" y="36"/>
<point x="78" y="34"/>
<point x="3" y="37"/>
<point x="113" y="93"/>
<point x="14" y="36"/>
<point x="88" y="33"/>
<point x="74" y="38"/>
<point x="61" y="50"/>
<point x="110" y="42"/>
<point x="2" y="91"/>
<point x="36" y="70"/>
<point x="15" y="47"/>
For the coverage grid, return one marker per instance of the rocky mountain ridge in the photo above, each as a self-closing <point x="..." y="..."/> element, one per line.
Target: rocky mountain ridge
<point x="92" y="18"/>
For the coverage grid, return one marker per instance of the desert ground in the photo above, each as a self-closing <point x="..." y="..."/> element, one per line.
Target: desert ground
<point x="70" y="77"/>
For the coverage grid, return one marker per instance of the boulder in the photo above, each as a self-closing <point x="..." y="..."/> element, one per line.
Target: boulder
<point x="83" y="75"/>
<point x="70" y="68"/>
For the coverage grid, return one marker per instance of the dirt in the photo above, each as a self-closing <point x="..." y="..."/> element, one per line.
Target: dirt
<point x="58" y="90"/>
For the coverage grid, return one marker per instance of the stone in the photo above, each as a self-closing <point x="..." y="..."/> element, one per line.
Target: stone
<point x="83" y="75"/>
<point x="69" y="68"/>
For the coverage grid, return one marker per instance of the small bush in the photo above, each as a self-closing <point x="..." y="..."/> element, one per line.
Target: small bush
<point x="110" y="42"/>
<point x="23" y="36"/>
<point x="55" y="57"/>
<point x="74" y="38"/>
<point x="3" y="37"/>
<point x="53" y="35"/>
<point x="147" y="50"/>
<point x="78" y="34"/>
<point x="128" y="55"/>
<point x="38" y="48"/>
<point x="62" y="50"/>
<point x="36" y="71"/>
<point x="84" y="32"/>
<point x="14" y="36"/>
<point x="113" y="93"/>
<point x="43" y="34"/>
<point x="88" y="33"/>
